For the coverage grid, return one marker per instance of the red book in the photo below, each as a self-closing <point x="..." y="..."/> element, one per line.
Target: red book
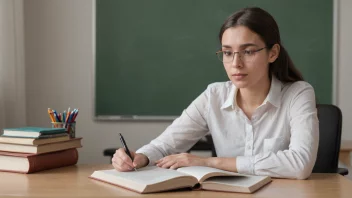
<point x="30" y="163"/>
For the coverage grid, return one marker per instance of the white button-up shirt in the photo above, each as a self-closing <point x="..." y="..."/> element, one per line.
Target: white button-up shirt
<point x="280" y="140"/>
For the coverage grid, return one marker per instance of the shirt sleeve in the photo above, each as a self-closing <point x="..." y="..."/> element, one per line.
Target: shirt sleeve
<point x="298" y="161"/>
<point x="183" y="133"/>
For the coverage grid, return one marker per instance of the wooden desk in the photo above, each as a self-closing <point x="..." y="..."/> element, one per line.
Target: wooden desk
<point x="73" y="181"/>
<point x="346" y="148"/>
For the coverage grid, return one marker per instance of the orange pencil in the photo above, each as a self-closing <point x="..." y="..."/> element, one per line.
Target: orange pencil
<point x="68" y="115"/>
<point x="50" y="115"/>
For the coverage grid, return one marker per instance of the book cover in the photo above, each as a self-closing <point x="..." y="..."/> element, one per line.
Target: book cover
<point x="154" y="179"/>
<point x="33" y="141"/>
<point x="30" y="163"/>
<point x="43" y="148"/>
<point x="31" y="131"/>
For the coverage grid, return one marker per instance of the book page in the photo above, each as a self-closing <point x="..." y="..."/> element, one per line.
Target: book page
<point x="243" y="183"/>
<point x="147" y="175"/>
<point x="203" y="172"/>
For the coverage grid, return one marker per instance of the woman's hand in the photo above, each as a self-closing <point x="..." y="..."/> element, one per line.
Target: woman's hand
<point x="181" y="160"/>
<point x="122" y="162"/>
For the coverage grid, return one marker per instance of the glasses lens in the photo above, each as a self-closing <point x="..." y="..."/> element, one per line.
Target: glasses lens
<point x="220" y="56"/>
<point x="245" y="56"/>
<point x="225" y="57"/>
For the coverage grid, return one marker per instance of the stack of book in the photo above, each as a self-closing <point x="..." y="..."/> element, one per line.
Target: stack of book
<point x="33" y="149"/>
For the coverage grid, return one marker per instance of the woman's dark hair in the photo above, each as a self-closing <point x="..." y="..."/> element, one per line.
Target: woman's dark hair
<point x="262" y="23"/>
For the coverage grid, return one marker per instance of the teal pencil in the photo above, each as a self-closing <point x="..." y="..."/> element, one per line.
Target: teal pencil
<point x="64" y="116"/>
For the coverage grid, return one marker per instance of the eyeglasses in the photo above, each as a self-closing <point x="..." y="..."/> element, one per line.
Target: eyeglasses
<point x="244" y="55"/>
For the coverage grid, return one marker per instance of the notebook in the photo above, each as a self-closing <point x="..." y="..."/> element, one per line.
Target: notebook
<point x="32" y="132"/>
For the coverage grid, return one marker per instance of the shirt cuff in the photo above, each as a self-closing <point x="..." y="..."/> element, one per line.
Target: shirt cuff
<point x="151" y="155"/>
<point x="245" y="165"/>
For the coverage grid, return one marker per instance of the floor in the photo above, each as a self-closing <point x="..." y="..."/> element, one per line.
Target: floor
<point x="349" y="176"/>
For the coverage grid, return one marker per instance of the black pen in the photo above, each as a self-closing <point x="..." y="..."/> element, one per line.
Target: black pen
<point x="126" y="148"/>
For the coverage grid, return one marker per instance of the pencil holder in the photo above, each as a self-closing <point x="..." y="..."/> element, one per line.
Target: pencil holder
<point x="57" y="125"/>
<point x="70" y="128"/>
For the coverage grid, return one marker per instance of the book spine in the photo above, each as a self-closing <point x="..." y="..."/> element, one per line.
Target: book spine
<point x="52" y="160"/>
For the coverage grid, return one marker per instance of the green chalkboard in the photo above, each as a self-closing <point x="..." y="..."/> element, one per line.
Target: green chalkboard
<point x="153" y="58"/>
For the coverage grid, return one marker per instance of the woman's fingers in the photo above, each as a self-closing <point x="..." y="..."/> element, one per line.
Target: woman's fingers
<point x="180" y="160"/>
<point x="168" y="164"/>
<point x="122" y="167"/>
<point x="164" y="160"/>
<point x="140" y="160"/>
<point x="121" y="161"/>
<point x="176" y="166"/>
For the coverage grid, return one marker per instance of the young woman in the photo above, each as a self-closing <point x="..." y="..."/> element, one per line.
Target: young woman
<point x="263" y="121"/>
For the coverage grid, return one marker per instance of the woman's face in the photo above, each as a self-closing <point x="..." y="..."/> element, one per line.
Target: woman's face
<point x="248" y="68"/>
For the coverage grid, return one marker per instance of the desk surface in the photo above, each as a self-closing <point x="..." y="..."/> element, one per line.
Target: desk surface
<point x="73" y="181"/>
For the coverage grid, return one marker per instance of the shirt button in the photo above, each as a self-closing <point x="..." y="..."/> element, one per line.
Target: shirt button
<point x="249" y="147"/>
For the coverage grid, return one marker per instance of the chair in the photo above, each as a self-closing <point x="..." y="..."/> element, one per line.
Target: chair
<point x="205" y="144"/>
<point x="330" y="127"/>
<point x="109" y="152"/>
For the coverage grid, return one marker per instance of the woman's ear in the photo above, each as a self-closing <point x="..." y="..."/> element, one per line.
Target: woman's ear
<point x="274" y="53"/>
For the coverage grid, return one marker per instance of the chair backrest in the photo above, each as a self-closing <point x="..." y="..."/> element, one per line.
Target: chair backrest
<point x="330" y="125"/>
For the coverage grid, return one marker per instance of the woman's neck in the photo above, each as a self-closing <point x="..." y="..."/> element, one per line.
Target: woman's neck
<point x="252" y="97"/>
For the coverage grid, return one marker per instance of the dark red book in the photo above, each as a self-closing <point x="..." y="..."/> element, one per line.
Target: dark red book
<point x="30" y="163"/>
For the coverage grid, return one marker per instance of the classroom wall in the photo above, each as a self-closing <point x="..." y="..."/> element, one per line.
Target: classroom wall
<point x="59" y="74"/>
<point x="12" y="69"/>
<point x="344" y="80"/>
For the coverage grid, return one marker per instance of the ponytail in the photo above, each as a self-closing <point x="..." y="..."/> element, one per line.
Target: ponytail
<point x="283" y="68"/>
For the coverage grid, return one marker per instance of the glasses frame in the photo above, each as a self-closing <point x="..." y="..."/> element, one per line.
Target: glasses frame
<point x="239" y="54"/>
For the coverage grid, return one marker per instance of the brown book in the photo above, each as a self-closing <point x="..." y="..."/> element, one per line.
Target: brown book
<point x="32" y="141"/>
<point x="30" y="163"/>
<point x="43" y="148"/>
<point x="154" y="179"/>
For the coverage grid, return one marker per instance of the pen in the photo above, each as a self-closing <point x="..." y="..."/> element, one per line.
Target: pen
<point x="56" y="116"/>
<point x="126" y="148"/>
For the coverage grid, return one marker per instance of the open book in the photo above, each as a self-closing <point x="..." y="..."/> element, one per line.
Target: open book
<point x="154" y="179"/>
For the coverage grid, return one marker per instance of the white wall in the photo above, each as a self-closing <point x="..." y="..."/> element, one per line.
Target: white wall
<point x="59" y="74"/>
<point x="12" y="70"/>
<point x="344" y="99"/>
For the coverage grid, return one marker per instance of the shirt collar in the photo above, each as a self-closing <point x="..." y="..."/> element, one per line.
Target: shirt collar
<point x="273" y="97"/>
<point x="231" y="99"/>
